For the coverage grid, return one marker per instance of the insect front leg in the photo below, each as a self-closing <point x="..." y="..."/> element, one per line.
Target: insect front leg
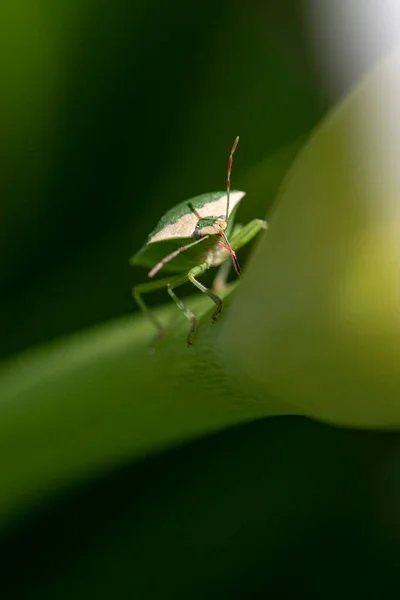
<point x="195" y="272"/>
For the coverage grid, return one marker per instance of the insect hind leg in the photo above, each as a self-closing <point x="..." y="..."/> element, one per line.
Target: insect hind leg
<point x="145" y="288"/>
<point x="188" y="313"/>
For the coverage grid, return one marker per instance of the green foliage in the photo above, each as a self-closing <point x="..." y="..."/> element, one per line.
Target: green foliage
<point x="103" y="131"/>
<point x="320" y="298"/>
<point x="141" y="402"/>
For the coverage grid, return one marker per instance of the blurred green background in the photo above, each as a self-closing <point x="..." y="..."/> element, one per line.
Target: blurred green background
<point x="110" y="113"/>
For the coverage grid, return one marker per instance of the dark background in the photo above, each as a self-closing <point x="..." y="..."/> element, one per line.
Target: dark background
<point x="111" y="113"/>
<point x="282" y="508"/>
<point x="116" y="111"/>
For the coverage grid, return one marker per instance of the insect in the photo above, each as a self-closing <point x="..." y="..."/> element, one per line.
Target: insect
<point x="189" y="239"/>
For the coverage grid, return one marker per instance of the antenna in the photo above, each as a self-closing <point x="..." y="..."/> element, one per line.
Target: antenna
<point x="229" y="249"/>
<point x="228" y="180"/>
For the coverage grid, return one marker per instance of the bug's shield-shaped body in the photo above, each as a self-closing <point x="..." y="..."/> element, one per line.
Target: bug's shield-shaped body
<point x="176" y="227"/>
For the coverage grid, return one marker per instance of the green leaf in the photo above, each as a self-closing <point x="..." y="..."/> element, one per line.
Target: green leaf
<point x="321" y="298"/>
<point x="312" y="329"/>
<point x="84" y="404"/>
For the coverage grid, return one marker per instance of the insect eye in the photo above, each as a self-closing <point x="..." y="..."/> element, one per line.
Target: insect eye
<point x="197" y="233"/>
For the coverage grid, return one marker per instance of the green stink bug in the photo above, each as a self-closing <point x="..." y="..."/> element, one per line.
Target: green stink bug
<point x="190" y="238"/>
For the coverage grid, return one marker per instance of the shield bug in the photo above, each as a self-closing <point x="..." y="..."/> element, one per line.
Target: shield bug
<point x="189" y="239"/>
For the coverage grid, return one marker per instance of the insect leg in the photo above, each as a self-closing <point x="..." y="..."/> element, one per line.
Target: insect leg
<point x="188" y="313"/>
<point x="173" y="255"/>
<point x="145" y="288"/>
<point x="195" y="272"/>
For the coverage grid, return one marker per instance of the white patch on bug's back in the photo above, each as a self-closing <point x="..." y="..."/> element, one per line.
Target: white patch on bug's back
<point x="184" y="227"/>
